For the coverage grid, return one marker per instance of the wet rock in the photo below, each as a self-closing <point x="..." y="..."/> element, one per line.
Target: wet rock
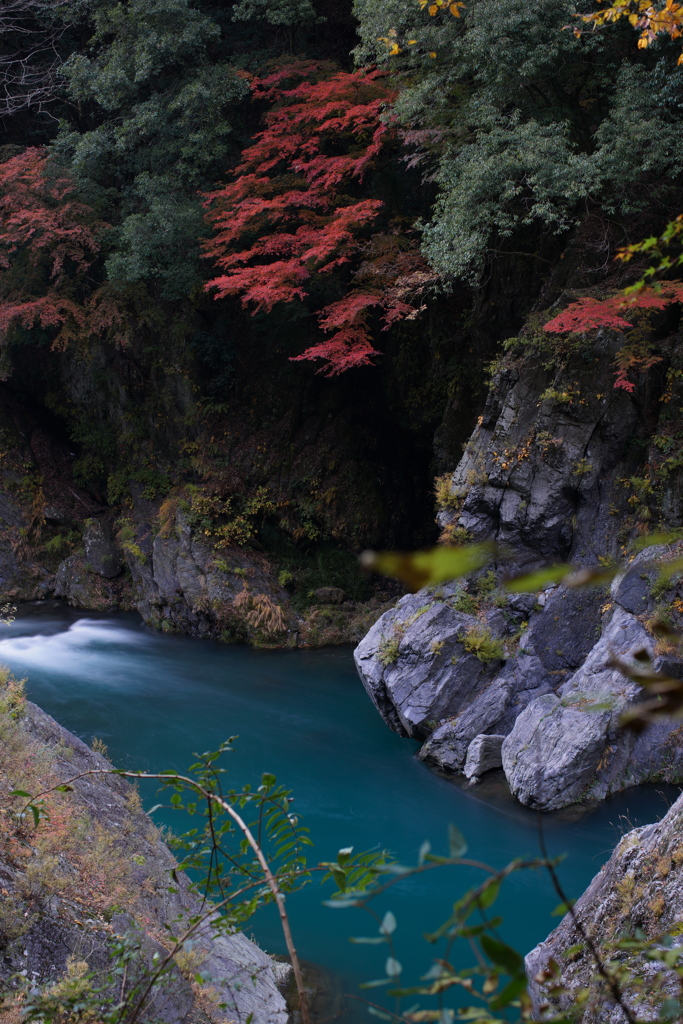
<point x="639" y="888"/>
<point x="102" y="556"/>
<point x="483" y="754"/>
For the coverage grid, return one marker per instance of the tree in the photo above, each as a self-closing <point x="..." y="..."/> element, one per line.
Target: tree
<point x="298" y="210"/>
<point x="30" y="31"/>
<point x="49" y="241"/>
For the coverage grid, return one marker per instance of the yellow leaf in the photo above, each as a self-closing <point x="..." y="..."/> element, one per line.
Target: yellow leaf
<point x="433" y="9"/>
<point x="432" y="54"/>
<point x="411" y="42"/>
<point x="436" y="565"/>
<point x="394" y="50"/>
<point x="455" y="10"/>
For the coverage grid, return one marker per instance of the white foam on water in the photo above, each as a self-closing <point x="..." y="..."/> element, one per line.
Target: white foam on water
<point x="84" y="650"/>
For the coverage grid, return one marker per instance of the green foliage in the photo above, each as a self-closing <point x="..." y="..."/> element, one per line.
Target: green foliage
<point x="164" y="132"/>
<point x="480" y="641"/>
<point x="520" y="142"/>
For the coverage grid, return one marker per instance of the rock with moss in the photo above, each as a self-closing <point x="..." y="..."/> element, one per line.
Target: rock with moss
<point x="568" y="746"/>
<point x="95" y="874"/>
<point x="424" y="662"/>
<point x="639" y="892"/>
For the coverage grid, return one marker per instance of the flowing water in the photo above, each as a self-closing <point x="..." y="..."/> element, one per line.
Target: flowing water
<point x="304" y="716"/>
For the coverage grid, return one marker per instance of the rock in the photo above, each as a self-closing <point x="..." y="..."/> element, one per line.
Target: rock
<point x="124" y="887"/>
<point x="568" y="747"/>
<point x="82" y="588"/>
<point x="414" y="667"/>
<point x="483" y="754"/>
<point x="639" y="888"/>
<point x="183" y="585"/>
<point x="632" y="587"/>
<point x="329" y="595"/>
<point x="102" y="556"/>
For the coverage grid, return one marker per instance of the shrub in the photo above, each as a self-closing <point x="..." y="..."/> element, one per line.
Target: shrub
<point x="480" y="641"/>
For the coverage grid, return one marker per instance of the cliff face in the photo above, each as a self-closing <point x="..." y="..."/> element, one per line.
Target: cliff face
<point x="554" y="472"/>
<point x="95" y="873"/>
<point x="640" y="889"/>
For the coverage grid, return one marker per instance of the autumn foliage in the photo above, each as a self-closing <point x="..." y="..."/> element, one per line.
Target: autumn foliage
<point x="49" y="242"/>
<point x="618" y="312"/>
<point x="296" y="210"/>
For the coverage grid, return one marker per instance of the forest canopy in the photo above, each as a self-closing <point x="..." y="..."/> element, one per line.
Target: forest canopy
<point x="478" y="131"/>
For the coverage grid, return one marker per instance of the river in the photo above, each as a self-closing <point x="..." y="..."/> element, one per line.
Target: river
<point x="304" y="716"/>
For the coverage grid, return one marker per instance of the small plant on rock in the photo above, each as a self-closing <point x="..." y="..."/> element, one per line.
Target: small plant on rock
<point x="480" y="641"/>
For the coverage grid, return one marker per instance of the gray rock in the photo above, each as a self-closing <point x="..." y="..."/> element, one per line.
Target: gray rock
<point x="632" y="587"/>
<point x="82" y="588"/>
<point x="483" y="754"/>
<point x="414" y="667"/>
<point x="640" y="887"/>
<point x="238" y="972"/>
<point x="568" y="747"/>
<point x="102" y="556"/>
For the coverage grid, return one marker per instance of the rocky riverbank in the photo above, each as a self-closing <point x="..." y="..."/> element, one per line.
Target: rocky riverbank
<point x="94" y="877"/>
<point x="553" y="473"/>
<point x="638" y="893"/>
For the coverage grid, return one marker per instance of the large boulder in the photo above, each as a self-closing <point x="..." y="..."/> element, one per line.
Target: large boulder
<point x="638" y="891"/>
<point x="568" y="746"/>
<point x="414" y="666"/>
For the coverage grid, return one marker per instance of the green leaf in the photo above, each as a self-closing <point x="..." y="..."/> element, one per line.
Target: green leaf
<point x="64" y="788"/>
<point x="457" y="844"/>
<point x="388" y="925"/>
<point x="490" y="894"/>
<point x="344" y="855"/>
<point x="393" y="967"/>
<point x="376" y="983"/>
<point x="562" y="908"/>
<point x="533" y="581"/>
<point x="268" y="780"/>
<point x="512" y="990"/>
<point x="424" y="850"/>
<point x="501" y="954"/>
<point x="20" y="792"/>
<point x="437" y="565"/>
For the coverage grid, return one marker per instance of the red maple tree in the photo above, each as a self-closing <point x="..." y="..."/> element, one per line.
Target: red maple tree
<point x="49" y="241"/>
<point x="589" y="314"/>
<point x="295" y="209"/>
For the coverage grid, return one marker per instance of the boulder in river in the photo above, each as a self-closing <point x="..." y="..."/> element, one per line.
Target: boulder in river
<point x="543" y="475"/>
<point x="638" y="891"/>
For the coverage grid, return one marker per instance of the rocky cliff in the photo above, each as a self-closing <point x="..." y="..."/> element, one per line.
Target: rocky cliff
<point x="554" y="472"/>
<point x="95" y="874"/>
<point x="638" y="893"/>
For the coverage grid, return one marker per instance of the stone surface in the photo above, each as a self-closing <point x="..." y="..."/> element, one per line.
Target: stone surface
<point x="545" y="475"/>
<point x="483" y="754"/>
<point x="414" y="667"/>
<point x="238" y="972"/>
<point x="82" y="588"/>
<point x="102" y="555"/>
<point x="567" y="746"/>
<point x="639" y="888"/>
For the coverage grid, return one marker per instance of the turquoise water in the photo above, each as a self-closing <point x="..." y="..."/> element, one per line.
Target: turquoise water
<point x="304" y="716"/>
